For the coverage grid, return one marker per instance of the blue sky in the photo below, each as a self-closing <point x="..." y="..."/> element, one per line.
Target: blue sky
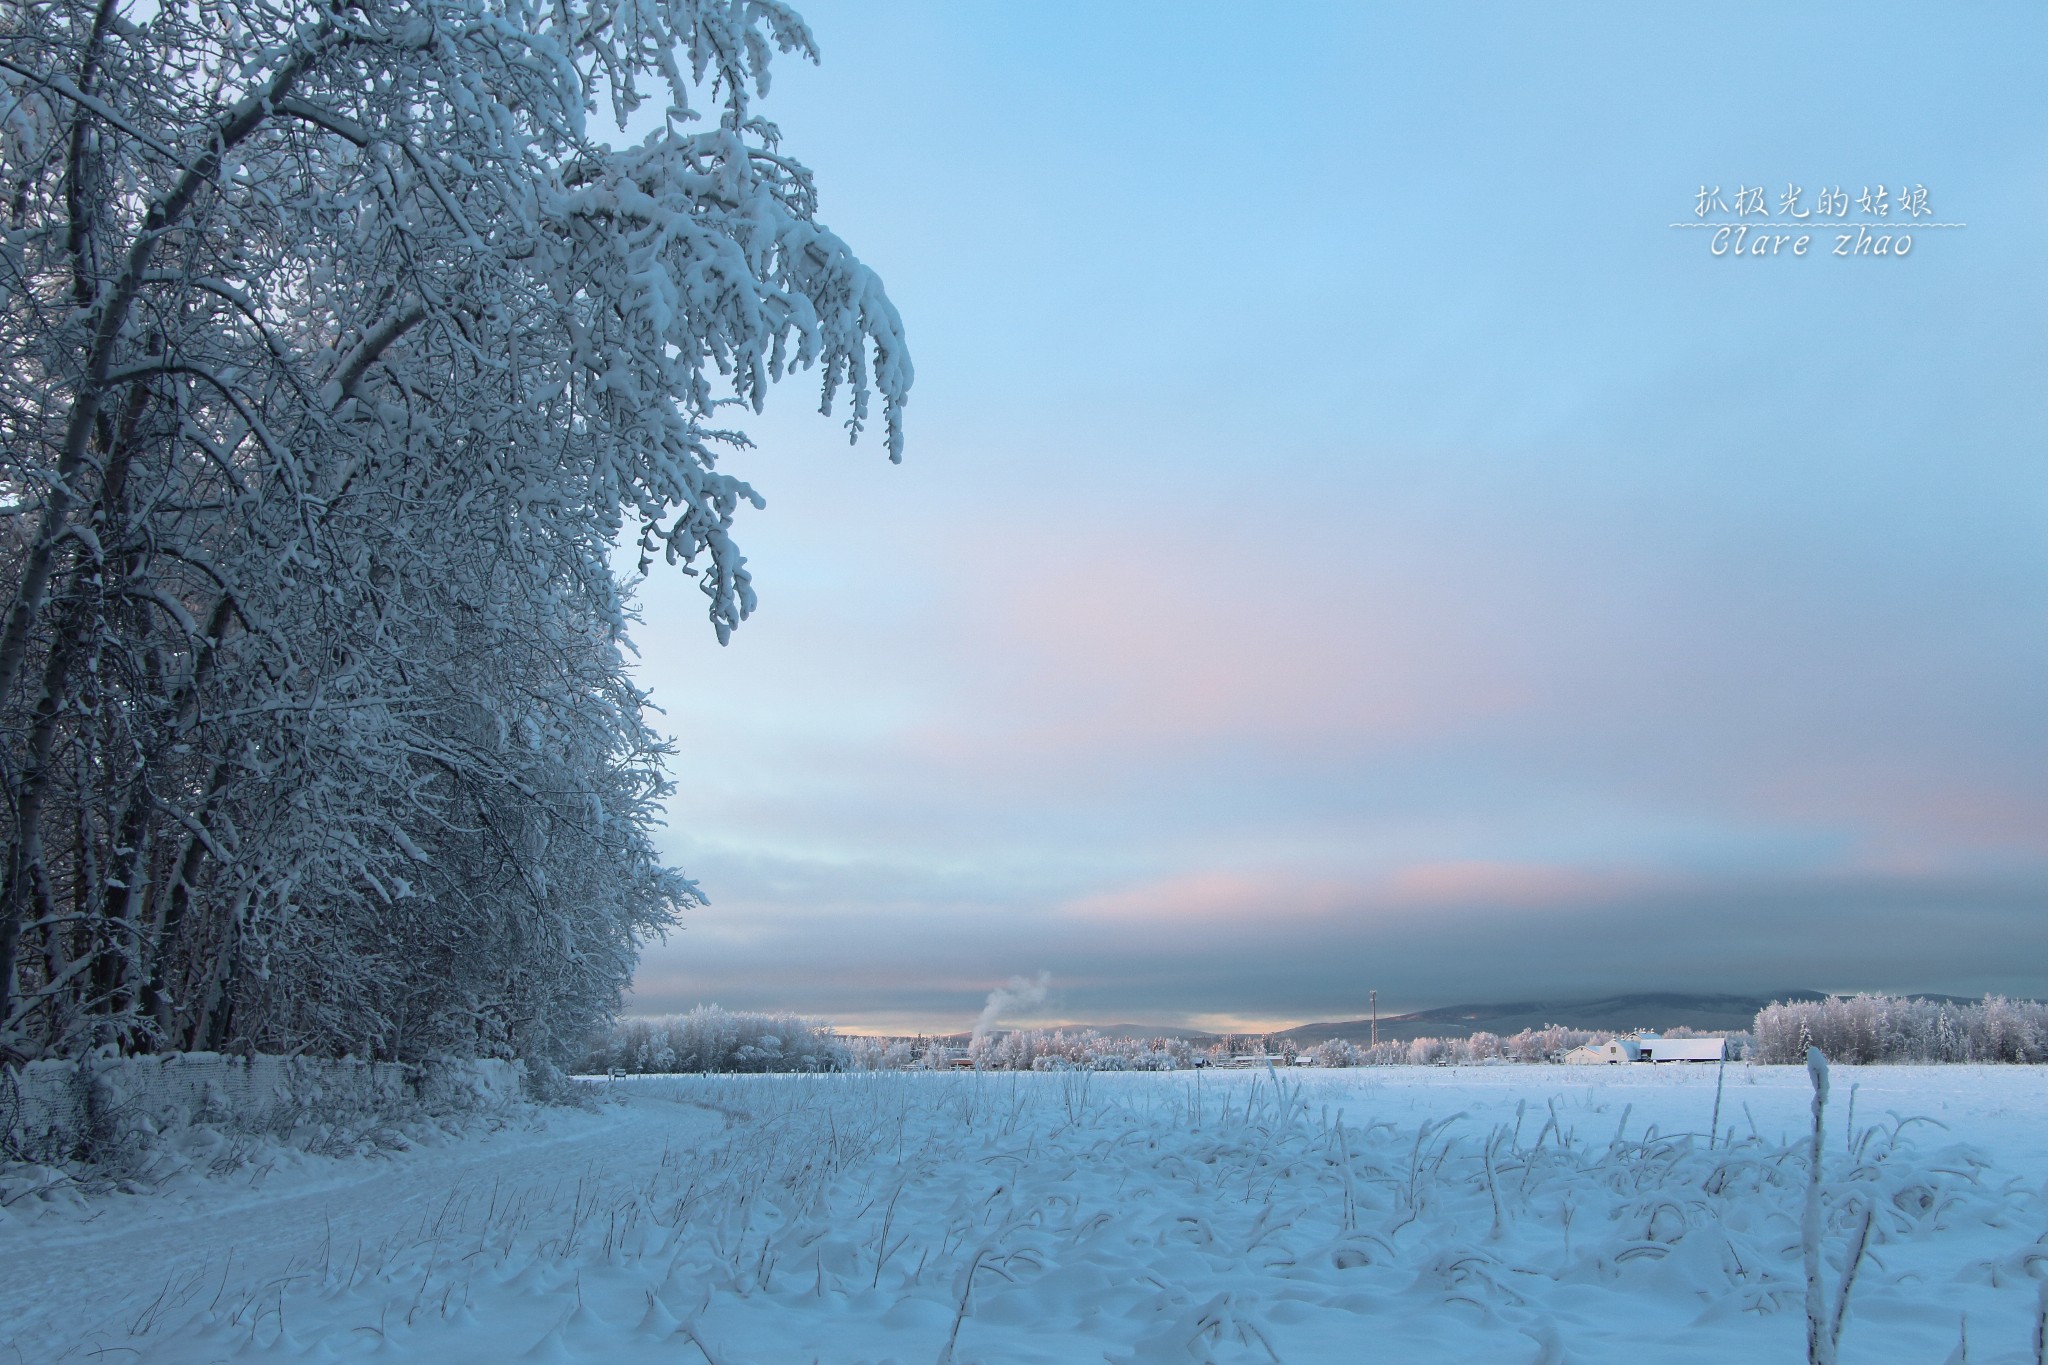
<point x="1349" y="540"/>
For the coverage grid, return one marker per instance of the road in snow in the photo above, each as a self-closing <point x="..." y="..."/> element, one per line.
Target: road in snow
<point x="1479" y="1214"/>
<point x="83" y="1279"/>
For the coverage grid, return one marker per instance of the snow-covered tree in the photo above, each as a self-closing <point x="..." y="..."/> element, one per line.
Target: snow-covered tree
<point x="709" y="1038"/>
<point x="337" y="354"/>
<point x="1335" y="1052"/>
<point x="1887" y="1028"/>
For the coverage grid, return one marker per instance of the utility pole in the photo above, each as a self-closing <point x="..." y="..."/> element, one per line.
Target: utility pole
<point x="1375" y="1018"/>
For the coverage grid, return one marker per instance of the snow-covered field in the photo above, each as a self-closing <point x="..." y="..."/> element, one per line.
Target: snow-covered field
<point x="1398" y="1214"/>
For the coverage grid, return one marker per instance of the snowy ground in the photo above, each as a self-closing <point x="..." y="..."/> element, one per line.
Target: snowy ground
<point x="1413" y="1215"/>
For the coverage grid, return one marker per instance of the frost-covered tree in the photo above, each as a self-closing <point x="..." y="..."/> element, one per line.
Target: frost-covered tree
<point x="712" y="1039"/>
<point x="337" y="354"/>
<point x="1886" y="1028"/>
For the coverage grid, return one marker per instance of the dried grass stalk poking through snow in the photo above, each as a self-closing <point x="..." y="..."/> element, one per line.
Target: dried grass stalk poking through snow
<point x="1823" y="1324"/>
<point x="1143" y="1218"/>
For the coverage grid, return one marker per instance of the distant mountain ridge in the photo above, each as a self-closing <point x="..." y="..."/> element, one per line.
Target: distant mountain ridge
<point x="1617" y="1013"/>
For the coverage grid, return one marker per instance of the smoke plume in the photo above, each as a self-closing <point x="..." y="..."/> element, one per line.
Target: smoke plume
<point x="1019" y="993"/>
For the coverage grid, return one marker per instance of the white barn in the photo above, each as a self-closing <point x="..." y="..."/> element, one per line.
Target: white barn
<point x="1649" y="1047"/>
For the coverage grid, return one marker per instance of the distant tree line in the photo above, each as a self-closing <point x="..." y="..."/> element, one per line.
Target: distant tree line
<point x="1085" y="1049"/>
<point x="712" y="1039"/>
<point x="1849" y="1029"/>
<point x="1890" y="1028"/>
<point x="709" y="1038"/>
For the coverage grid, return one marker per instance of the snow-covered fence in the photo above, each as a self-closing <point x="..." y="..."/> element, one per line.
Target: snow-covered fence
<point x="50" y="1110"/>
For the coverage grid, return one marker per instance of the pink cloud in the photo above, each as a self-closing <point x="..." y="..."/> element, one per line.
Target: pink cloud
<point x="1505" y="884"/>
<point x="1131" y="641"/>
<point x="1209" y="897"/>
<point x="1226" y="897"/>
<point x="1910" y="816"/>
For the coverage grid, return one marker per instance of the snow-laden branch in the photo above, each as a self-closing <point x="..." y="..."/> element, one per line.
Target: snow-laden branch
<point x="98" y="108"/>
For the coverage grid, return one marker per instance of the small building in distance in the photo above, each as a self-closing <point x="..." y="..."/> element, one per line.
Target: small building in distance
<point x="1656" y="1049"/>
<point x="1650" y="1047"/>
